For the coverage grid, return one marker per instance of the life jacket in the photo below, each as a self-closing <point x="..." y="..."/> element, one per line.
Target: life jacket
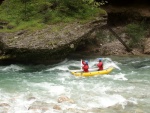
<point x="85" y="67"/>
<point x="100" y="65"/>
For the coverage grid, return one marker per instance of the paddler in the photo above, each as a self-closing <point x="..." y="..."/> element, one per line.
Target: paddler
<point x="85" y="66"/>
<point x="100" y="64"/>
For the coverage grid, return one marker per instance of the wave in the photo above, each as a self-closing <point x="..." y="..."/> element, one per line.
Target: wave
<point x="76" y="64"/>
<point x="118" y="76"/>
<point x="11" y="67"/>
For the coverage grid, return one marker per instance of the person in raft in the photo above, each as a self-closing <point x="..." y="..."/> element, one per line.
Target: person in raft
<point x="85" y="66"/>
<point x="100" y="64"/>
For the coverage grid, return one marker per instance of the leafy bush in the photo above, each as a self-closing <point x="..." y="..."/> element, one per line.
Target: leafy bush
<point x="136" y="32"/>
<point x="47" y="11"/>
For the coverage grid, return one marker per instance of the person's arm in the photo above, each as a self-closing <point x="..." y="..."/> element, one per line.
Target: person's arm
<point x="98" y="65"/>
<point x="83" y="62"/>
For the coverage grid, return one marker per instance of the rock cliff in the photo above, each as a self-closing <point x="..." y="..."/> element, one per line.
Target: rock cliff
<point x="123" y="12"/>
<point x="47" y="45"/>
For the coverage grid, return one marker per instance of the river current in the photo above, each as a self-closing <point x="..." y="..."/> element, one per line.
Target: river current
<point x="53" y="89"/>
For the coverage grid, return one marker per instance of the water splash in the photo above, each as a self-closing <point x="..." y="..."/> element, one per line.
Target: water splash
<point x="119" y="76"/>
<point x="38" y="91"/>
<point x="11" y="68"/>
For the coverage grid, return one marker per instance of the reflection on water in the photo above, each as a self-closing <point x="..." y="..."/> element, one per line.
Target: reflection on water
<point x="52" y="89"/>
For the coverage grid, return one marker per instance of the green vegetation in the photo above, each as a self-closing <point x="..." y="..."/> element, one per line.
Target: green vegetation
<point x="35" y="14"/>
<point x="136" y="32"/>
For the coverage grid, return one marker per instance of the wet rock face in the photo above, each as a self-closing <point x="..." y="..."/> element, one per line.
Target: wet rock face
<point x="125" y="17"/>
<point x="125" y="2"/>
<point x="1" y="1"/>
<point x="127" y="11"/>
<point x="147" y="46"/>
<point x="51" y="44"/>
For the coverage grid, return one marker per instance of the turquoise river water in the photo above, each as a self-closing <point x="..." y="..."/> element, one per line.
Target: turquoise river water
<point x="53" y="89"/>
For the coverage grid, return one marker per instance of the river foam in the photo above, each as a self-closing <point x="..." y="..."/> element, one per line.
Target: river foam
<point x="38" y="89"/>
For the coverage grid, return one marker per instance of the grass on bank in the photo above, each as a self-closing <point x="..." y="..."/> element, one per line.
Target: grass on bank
<point x="136" y="32"/>
<point x="36" y="14"/>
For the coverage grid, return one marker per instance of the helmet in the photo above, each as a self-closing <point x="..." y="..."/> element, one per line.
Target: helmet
<point x="100" y="59"/>
<point x="86" y="61"/>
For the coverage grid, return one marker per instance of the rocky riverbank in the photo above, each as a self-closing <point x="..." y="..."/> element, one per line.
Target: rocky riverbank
<point x="112" y="46"/>
<point x="48" y="45"/>
<point x="54" y="43"/>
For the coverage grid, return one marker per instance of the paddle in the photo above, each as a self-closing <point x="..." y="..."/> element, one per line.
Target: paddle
<point x="81" y="67"/>
<point x="81" y="64"/>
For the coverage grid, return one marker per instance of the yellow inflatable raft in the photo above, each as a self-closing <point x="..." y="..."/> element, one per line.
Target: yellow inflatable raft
<point x="92" y="73"/>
